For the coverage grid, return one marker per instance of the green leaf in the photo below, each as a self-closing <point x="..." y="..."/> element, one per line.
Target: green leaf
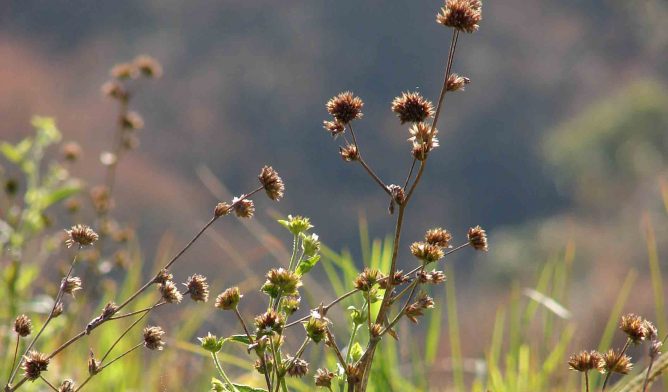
<point x="239" y="339"/>
<point x="306" y="265"/>
<point x="356" y="352"/>
<point x="16" y="154"/>
<point x="47" y="133"/>
<point x="60" y="194"/>
<point x="246" y="388"/>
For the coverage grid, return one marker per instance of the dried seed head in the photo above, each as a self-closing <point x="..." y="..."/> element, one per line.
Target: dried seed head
<point x="349" y="153"/>
<point x="375" y="330"/>
<point x="66" y="386"/>
<point x="281" y="282"/>
<point x="198" y="288"/>
<point x="109" y="310"/>
<point x="367" y="279"/>
<point x="298" y="367"/>
<point x="413" y="311"/>
<point x="316" y="329"/>
<point x="153" y="338"/>
<point x="269" y="322"/>
<point x="634" y="327"/>
<point x="71" y="285"/>
<point x="58" y="309"/>
<point x="211" y="343"/>
<point x="345" y="107"/>
<point x="412" y="107"/>
<point x="148" y="66"/>
<point x="22" y="326"/>
<point x="82" y="235"/>
<point x="124" y="71"/>
<point x="170" y="293"/>
<point x="427" y="252"/>
<point x="71" y="151"/>
<point x="456" y="82"/>
<point x="585" y="361"/>
<point x="399" y="278"/>
<point x="439" y="237"/>
<point x="243" y="208"/>
<point x="101" y="199"/>
<point x="272" y="183"/>
<point x="397" y="192"/>
<point x="228" y="299"/>
<point x="265" y="367"/>
<point x="335" y="128"/>
<point x="614" y="362"/>
<point x="221" y="209"/>
<point x="436" y="277"/>
<point x="354" y="373"/>
<point x="93" y="365"/>
<point x="421" y="133"/>
<point x="113" y="89"/>
<point x="163" y="276"/>
<point x="478" y="238"/>
<point x="33" y="364"/>
<point x="462" y="15"/>
<point x="655" y="349"/>
<point x="290" y="304"/>
<point x="323" y="378"/>
<point x="425" y="301"/>
<point x="132" y="120"/>
<point x="652" y="332"/>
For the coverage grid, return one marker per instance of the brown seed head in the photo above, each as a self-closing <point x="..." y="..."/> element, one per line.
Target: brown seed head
<point x="33" y="364"/>
<point x="298" y="367"/>
<point x="585" y="361"/>
<point x="375" y="330"/>
<point x="478" y="238"/>
<point x="412" y="107"/>
<point x="71" y="285"/>
<point x="93" y="365"/>
<point x="413" y="311"/>
<point x="198" y="288"/>
<point x="614" y="362"/>
<point x="323" y="378"/>
<point x="148" y="66"/>
<point x="634" y="327"/>
<point x="124" y="71"/>
<point x="262" y="368"/>
<point x="652" y="332"/>
<point x="66" y="386"/>
<point x="153" y="338"/>
<point x="58" y="309"/>
<point x="439" y="237"/>
<point x="335" y="128"/>
<point x="427" y="252"/>
<point x="22" y="326"/>
<point x="399" y="278"/>
<point x="397" y="192"/>
<point x="170" y="293"/>
<point x="71" y="151"/>
<point x="456" y="82"/>
<point x="228" y="299"/>
<point x="367" y="279"/>
<point x="221" y="209"/>
<point x="243" y="208"/>
<point x="281" y="282"/>
<point x="132" y="120"/>
<point x="163" y="276"/>
<point x="82" y="235"/>
<point x="436" y="277"/>
<point x="272" y="183"/>
<point x="109" y="310"/>
<point x="269" y="322"/>
<point x="425" y="301"/>
<point x="113" y="89"/>
<point x="462" y="15"/>
<point x="655" y="349"/>
<point x="349" y="153"/>
<point x="345" y="107"/>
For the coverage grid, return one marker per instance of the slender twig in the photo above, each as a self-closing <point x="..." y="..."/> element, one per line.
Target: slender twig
<point x="410" y="173"/>
<point x="365" y="165"/>
<point x="48" y="383"/>
<point x="137" y="311"/>
<point x="587" y="380"/>
<point x="16" y="352"/>
<point x="621" y="353"/>
<point x="332" y="344"/>
<point x="222" y="373"/>
<point x="126" y="331"/>
<point x="257" y="350"/>
<point x="649" y="370"/>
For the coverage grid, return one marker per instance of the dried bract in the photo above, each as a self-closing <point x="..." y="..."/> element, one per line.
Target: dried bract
<point x="22" y="326"/>
<point x="462" y="15"/>
<point x="412" y="107"/>
<point x="82" y="235"/>
<point x="478" y="238"/>
<point x="153" y="338"/>
<point x="345" y="107"/>
<point x="34" y="364"/>
<point x="272" y="183"/>
<point x="198" y="288"/>
<point x="228" y="299"/>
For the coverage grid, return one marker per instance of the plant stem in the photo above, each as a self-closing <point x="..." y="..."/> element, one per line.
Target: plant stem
<point x="607" y="376"/>
<point x="587" y="380"/>
<point x="649" y="370"/>
<point x="16" y="352"/>
<point x="257" y="350"/>
<point x="126" y="331"/>
<point x="48" y="383"/>
<point x="222" y="373"/>
<point x="350" y="344"/>
<point x="101" y="368"/>
<point x="364" y="164"/>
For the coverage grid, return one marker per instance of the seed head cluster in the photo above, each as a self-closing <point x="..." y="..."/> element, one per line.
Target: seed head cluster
<point x="412" y="107"/>
<point x="299" y="367"/>
<point x="345" y="107"/>
<point x="170" y="293"/>
<point x="243" y="208"/>
<point x="427" y="252"/>
<point x="81" y="235"/>
<point x="586" y="361"/>
<point x="272" y="183"/>
<point x="153" y="338"/>
<point x="478" y="238"/>
<point x="228" y="299"/>
<point x="22" y="326"/>
<point x="34" y="363"/>
<point x="198" y="288"/>
<point x="462" y="15"/>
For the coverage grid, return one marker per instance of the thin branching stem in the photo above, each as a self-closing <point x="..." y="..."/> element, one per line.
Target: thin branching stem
<point x="257" y="350"/>
<point x="365" y="165"/>
<point x="609" y="373"/>
<point x="16" y="352"/>
<point x="126" y="331"/>
<point x="48" y="383"/>
<point x="101" y="368"/>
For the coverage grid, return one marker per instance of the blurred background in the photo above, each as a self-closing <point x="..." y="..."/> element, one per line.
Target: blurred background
<point x="558" y="147"/>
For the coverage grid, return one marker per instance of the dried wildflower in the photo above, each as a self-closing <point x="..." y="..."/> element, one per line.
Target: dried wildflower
<point x="349" y="153"/>
<point x="375" y="330"/>
<point x="148" y="66"/>
<point x="124" y="71"/>
<point x="272" y="183"/>
<point x="296" y="224"/>
<point x="298" y="367"/>
<point x="265" y="367"/>
<point x="290" y="304"/>
<point x="421" y="133"/>
<point x="586" y="361"/>
<point x="163" y="276"/>
<point x="436" y="277"/>
<point x="399" y="278"/>
<point x="652" y="332"/>
<point x="132" y="120"/>
<point x="101" y="198"/>
<point x="82" y="235"/>
<point x="71" y="285"/>
<point x="93" y="364"/>
<point x="354" y="373"/>
<point x="58" y="309"/>
<point x="228" y="299"/>
<point x="243" y="208"/>
<point x="397" y="192"/>
<point x="316" y="329"/>
<point x="426" y="252"/>
<point x="456" y="82"/>
<point x="281" y="282"/>
<point x="22" y="326"/>
<point x="425" y="301"/>
<point x="634" y="327"/>
<point x="269" y="322"/>
<point x="153" y="338"/>
<point x="221" y="209"/>
<point x="413" y="311"/>
<point x="170" y="293"/>
<point x="109" y="310"/>
<point x="345" y="107"/>
<point x="462" y="15"/>
<point x="113" y="89"/>
<point x="33" y="364"/>
<point x="478" y="238"/>
<point x="367" y="279"/>
<point x="615" y="362"/>
<point x="323" y="378"/>
<point x="211" y="343"/>
<point x="655" y="349"/>
<point x="198" y="288"/>
<point x="71" y="151"/>
<point x="412" y="107"/>
<point x="335" y="128"/>
<point x="439" y="237"/>
<point x="66" y="386"/>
